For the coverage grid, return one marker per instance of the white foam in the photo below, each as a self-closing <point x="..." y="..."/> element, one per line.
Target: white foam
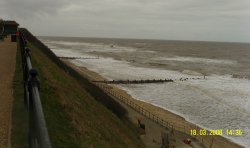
<point x="90" y="47"/>
<point x="220" y="102"/>
<point x="66" y="43"/>
<point x="196" y="60"/>
<point x="115" y="69"/>
<point x="200" y="105"/>
<point x="66" y="53"/>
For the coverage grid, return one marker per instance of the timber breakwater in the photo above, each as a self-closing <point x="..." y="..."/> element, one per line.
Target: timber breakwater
<point x="145" y="81"/>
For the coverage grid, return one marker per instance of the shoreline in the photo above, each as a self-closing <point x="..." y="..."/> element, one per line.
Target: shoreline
<point x="173" y="118"/>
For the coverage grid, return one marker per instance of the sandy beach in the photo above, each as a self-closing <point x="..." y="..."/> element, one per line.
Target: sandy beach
<point x="177" y="123"/>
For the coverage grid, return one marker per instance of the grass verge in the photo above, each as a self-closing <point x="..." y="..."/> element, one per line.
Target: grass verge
<point x="74" y="118"/>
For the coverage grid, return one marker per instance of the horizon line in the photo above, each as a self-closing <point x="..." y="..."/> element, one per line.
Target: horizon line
<point x="124" y="38"/>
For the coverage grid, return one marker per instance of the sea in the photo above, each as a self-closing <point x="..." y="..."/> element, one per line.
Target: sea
<point x="216" y="94"/>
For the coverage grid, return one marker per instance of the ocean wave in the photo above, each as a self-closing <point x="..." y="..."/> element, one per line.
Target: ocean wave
<point x="196" y="60"/>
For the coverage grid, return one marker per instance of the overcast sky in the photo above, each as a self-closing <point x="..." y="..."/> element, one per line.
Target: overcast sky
<point x="209" y="20"/>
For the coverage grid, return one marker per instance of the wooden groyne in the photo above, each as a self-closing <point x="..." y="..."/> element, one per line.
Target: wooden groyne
<point x="135" y="81"/>
<point x="78" y="57"/>
<point x="144" y="81"/>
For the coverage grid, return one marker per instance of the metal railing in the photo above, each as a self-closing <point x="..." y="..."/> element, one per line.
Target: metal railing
<point x="38" y="134"/>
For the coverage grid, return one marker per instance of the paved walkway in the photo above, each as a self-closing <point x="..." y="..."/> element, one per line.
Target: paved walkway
<point x="7" y="68"/>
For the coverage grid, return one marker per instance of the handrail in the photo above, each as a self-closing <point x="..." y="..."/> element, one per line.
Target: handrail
<point x="38" y="134"/>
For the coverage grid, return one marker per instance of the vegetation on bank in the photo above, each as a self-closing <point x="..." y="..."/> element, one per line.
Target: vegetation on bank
<point x="74" y="118"/>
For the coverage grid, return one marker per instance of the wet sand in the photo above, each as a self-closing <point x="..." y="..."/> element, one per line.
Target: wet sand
<point x="180" y="125"/>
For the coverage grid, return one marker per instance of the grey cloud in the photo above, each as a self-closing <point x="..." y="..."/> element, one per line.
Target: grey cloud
<point x="226" y="20"/>
<point x="31" y="8"/>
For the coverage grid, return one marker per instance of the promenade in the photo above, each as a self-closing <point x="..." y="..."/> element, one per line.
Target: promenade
<point x="7" y="68"/>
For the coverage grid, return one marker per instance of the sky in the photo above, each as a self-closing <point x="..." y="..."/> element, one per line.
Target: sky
<point x="207" y="20"/>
